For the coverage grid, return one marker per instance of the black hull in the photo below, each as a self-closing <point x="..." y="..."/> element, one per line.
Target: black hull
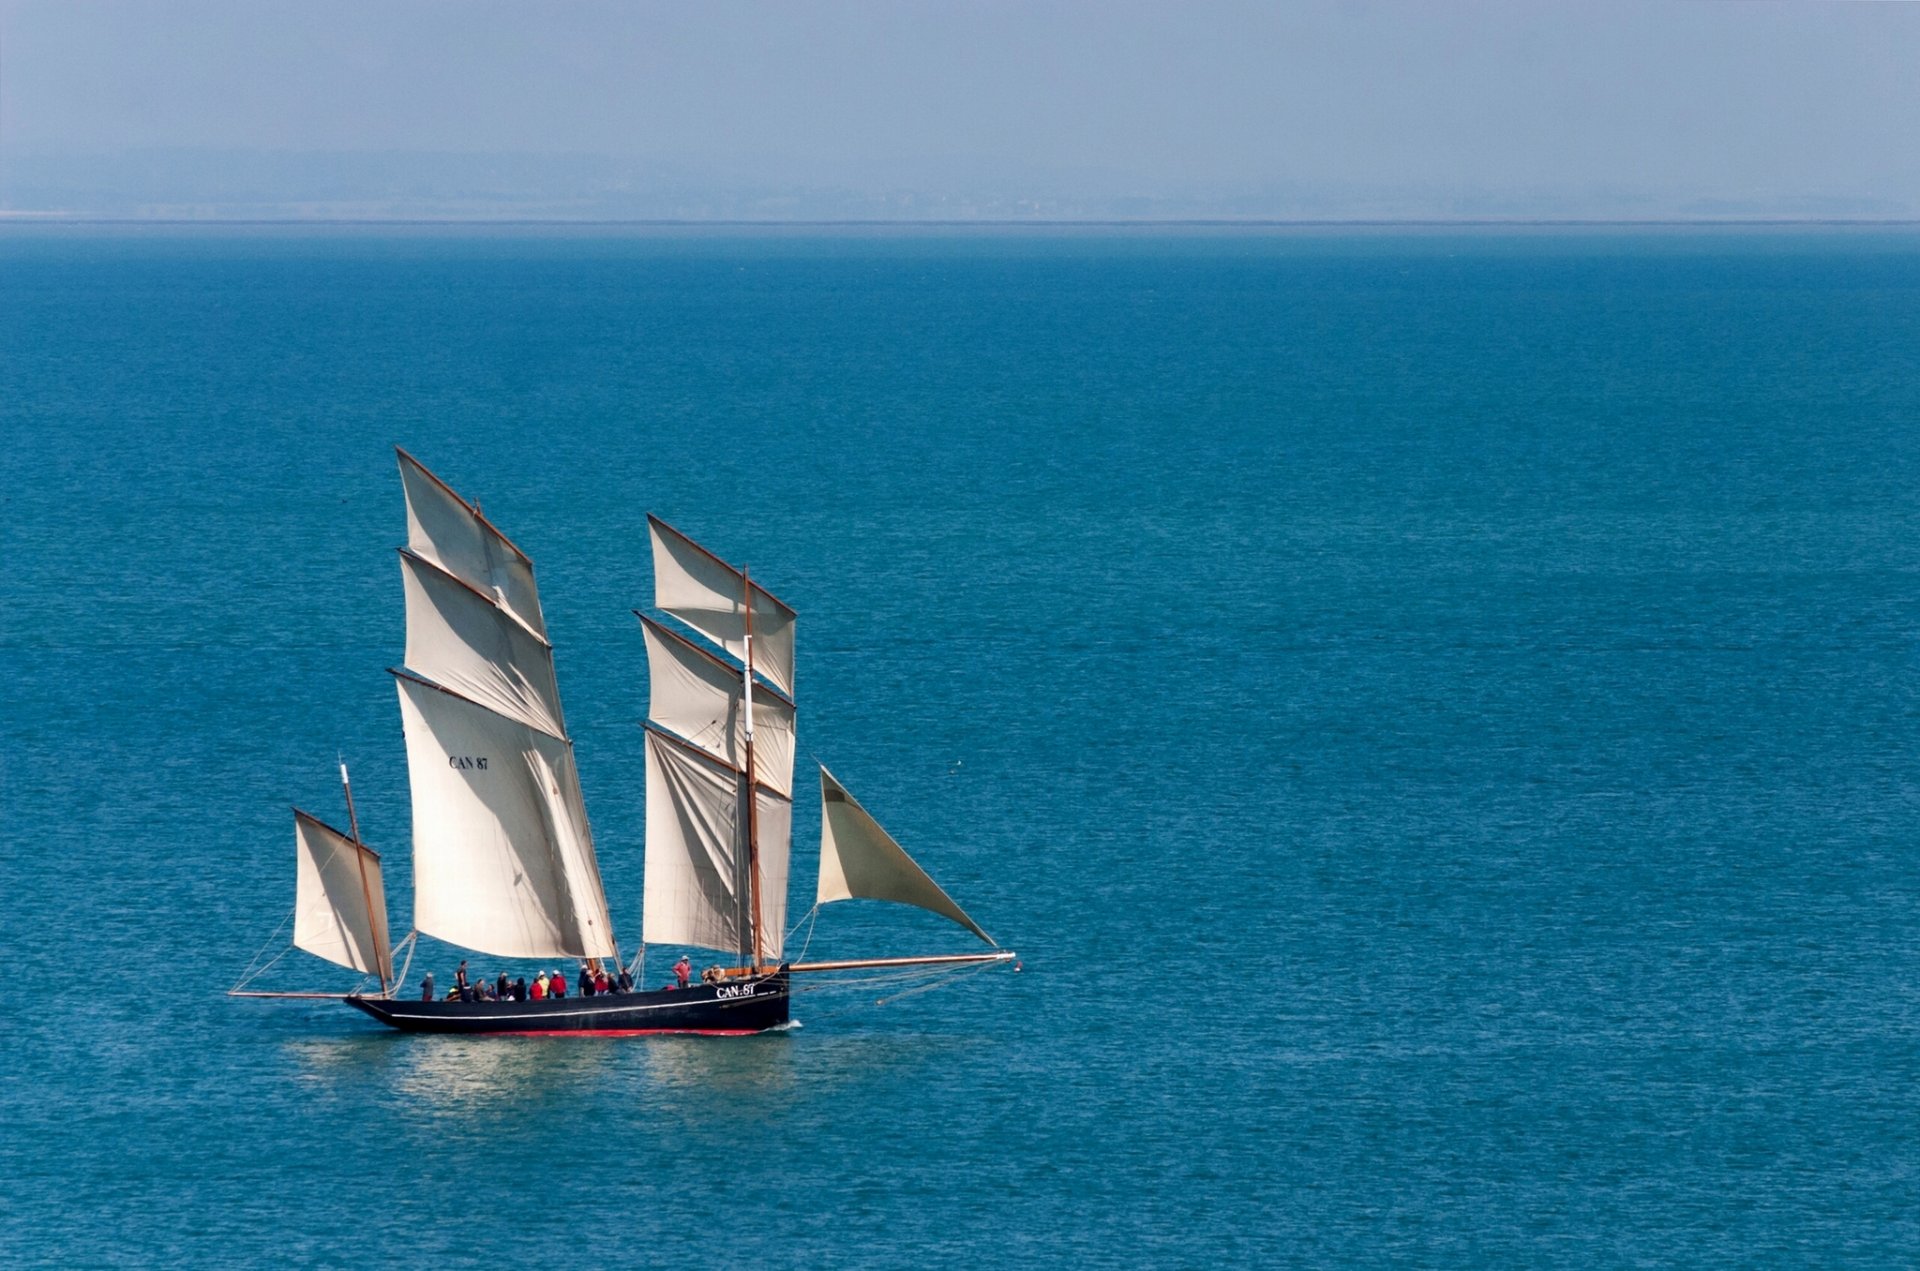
<point x="718" y="1010"/>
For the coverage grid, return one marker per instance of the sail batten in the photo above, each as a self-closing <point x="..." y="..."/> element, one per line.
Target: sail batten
<point x="340" y="900"/>
<point x="860" y="860"/>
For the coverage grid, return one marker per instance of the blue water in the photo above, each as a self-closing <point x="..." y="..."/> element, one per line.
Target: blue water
<point x="1436" y="712"/>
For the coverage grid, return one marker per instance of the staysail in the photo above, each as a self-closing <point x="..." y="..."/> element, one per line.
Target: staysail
<point x="858" y="859"/>
<point x="717" y="864"/>
<point x="503" y="856"/>
<point x="340" y="902"/>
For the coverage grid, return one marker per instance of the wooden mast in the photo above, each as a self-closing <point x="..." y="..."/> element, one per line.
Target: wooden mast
<point x="380" y="963"/>
<point x="753" y="803"/>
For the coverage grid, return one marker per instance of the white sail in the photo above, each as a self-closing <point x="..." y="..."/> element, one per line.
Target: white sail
<point x="697" y="888"/>
<point x="695" y="695"/>
<point x="503" y="861"/>
<point x="464" y="641"/>
<point x="860" y="859"/>
<point x="445" y="529"/>
<point x="340" y="903"/>
<point x="707" y="594"/>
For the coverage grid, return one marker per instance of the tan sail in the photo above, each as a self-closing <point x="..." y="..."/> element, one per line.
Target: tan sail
<point x="858" y="859"/>
<point x="709" y="595"/>
<point x="696" y="696"/>
<point x="340" y="901"/>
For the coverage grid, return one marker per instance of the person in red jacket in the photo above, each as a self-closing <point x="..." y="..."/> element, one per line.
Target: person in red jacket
<point x="539" y="989"/>
<point x="683" y="971"/>
<point x="556" y="985"/>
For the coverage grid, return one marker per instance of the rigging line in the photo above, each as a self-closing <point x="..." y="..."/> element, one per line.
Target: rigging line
<point x="252" y="971"/>
<point x="409" y="944"/>
<point x="957" y="975"/>
<point x="810" y="917"/>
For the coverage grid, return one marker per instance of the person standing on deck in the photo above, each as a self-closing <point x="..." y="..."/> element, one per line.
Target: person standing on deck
<point x="426" y="987"/>
<point x="460" y="977"/>
<point x="585" y="981"/>
<point x="683" y="971"/>
<point x="540" y="987"/>
<point x="556" y="984"/>
<point x="503" y="988"/>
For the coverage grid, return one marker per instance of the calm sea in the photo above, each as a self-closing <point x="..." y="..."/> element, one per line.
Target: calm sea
<point x="1436" y="713"/>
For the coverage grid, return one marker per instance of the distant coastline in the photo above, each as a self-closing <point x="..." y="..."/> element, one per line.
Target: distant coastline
<point x="13" y="218"/>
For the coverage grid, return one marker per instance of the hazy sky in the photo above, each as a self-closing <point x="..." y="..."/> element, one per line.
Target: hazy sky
<point x="1245" y="109"/>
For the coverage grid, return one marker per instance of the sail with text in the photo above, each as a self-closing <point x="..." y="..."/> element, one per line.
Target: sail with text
<point x="503" y="855"/>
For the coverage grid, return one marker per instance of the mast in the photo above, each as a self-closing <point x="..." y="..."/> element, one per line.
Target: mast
<point x="382" y="965"/>
<point x="753" y="816"/>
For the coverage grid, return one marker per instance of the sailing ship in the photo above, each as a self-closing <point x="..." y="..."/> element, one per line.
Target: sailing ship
<point x="503" y="855"/>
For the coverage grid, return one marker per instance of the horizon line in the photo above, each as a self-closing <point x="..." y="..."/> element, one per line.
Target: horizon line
<point x="8" y="217"/>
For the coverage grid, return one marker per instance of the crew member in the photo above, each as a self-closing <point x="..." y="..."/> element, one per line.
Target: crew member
<point x="683" y="971"/>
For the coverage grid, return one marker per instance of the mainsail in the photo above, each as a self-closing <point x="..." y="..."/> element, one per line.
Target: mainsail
<point x="719" y="789"/>
<point x="503" y="856"/>
<point x="340" y="903"/>
<point x="860" y="859"/>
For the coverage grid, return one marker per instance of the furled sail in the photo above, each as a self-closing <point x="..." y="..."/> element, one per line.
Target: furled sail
<point x="696" y="696"/>
<point x="709" y="595"/>
<point x="503" y="856"/>
<point x="859" y="859"/>
<point x="697" y="887"/>
<point x="340" y="903"/>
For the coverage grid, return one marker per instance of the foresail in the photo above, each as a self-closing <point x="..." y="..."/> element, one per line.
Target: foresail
<point x="707" y="594"/>
<point x="858" y="859"/>
<point x="462" y="640"/>
<point x="340" y="901"/>
<point x="696" y="696"/>
<point x="697" y="888"/>
<point x="445" y="529"/>
<point x="503" y="860"/>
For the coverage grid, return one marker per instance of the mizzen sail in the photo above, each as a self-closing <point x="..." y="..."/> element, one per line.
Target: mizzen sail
<point x="858" y="859"/>
<point x="340" y="901"/>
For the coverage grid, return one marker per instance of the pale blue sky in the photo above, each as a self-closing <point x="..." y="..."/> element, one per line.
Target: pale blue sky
<point x="917" y="109"/>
